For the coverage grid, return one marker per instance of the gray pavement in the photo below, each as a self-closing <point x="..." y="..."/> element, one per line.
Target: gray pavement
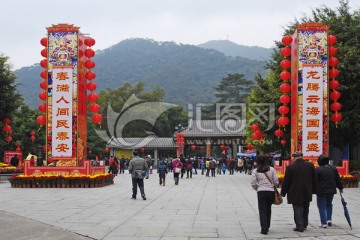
<point x="224" y="207"/>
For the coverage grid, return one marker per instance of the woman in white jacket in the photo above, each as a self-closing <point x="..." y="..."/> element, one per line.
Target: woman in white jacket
<point x="265" y="190"/>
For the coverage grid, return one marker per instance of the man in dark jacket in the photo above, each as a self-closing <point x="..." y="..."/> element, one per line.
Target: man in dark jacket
<point x="328" y="180"/>
<point x="14" y="161"/>
<point x="137" y="163"/>
<point x="299" y="184"/>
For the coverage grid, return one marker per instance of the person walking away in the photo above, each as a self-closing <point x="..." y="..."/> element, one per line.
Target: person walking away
<point x="122" y="164"/>
<point x="202" y="165"/>
<point x="113" y="166"/>
<point x="232" y="166"/>
<point x="240" y="165"/>
<point x="169" y="164"/>
<point x="265" y="190"/>
<point x="207" y="165"/>
<point x="299" y="184"/>
<point x="328" y="180"/>
<point x="223" y="168"/>
<point x="245" y="165"/>
<point x="183" y="161"/>
<point x="14" y="161"/>
<point x="218" y="166"/>
<point x="162" y="170"/>
<point x="177" y="168"/>
<point x="195" y="165"/>
<point x="189" y="167"/>
<point x="212" y="167"/>
<point x="137" y="163"/>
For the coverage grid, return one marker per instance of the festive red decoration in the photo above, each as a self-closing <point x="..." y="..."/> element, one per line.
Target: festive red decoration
<point x="279" y="133"/>
<point x="32" y="133"/>
<point x="89" y="53"/>
<point x="107" y="149"/>
<point x="255" y="127"/>
<point x="6" y="121"/>
<point x="334" y="84"/>
<point x="97" y="118"/>
<point x="335" y="95"/>
<point x="193" y="147"/>
<point x="335" y="106"/>
<point x="333" y="73"/>
<point x="18" y="149"/>
<point x="91" y="86"/>
<point x="93" y="97"/>
<point x="42" y="107"/>
<point x="41" y="120"/>
<point x="255" y="136"/>
<point x="300" y="137"/>
<point x="249" y="145"/>
<point x="285" y="64"/>
<point x="333" y="61"/>
<point x="332" y="51"/>
<point x="90" y="75"/>
<point x="7" y="128"/>
<point x="32" y="138"/>
<point x="285" y="51"/>
<point x="43" y="74"/>
<point x="89" y="64"/>
<point x="285" y="75"/>
<point x="8" y="139"/>
<point x="43" y="85"/>
<point x="42" y="95"/>
<point x="18" y="144"/>
<point x="142" y="149"/>
<point x="283" y="142"/>
<point x="44" y="53"/>
<point x="283" y="110"/>
<point x="286" y="40"/>
<point x="89" y="42"/>
<point x="94" y="108"/>
<point x="44" y="41"/>
<point x="284" y="99"/>
<point x="332" y="39"/>
<point x="285" y="88"/>
<point x="336" y="117"/>
<point x="283" y="121"/>
<point x="81" y="53"/>
<point x="43" y="63"/>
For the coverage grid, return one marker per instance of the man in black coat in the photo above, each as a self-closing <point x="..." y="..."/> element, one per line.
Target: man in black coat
<point x="14" y="161"/>
<point x="299" y="184"/>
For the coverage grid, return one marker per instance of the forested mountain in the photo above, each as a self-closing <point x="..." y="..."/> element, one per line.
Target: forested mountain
<point x="187" y="73"/>
<point x="232" y="49"/>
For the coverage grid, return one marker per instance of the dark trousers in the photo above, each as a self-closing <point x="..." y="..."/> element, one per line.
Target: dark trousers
<point x="189" y="172"/>
<point x="176" y="178"/>
<point x="265" y="200"/>
<point x="301" y="215"/>
<point x="135" y="183"/>
<point x="212" y="172"/>
<point x="162" y="179"/>
<point x="122" y="169"/>
<point x="207" y="172"/>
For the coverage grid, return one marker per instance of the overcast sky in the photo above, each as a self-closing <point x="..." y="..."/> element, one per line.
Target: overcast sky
<point x="248" y="22"/>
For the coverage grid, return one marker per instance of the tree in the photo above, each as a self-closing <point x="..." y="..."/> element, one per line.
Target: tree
<point x="234" y="88"/>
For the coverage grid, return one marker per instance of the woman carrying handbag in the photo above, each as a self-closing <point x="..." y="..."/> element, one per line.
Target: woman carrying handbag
<point x="265" y="190"/>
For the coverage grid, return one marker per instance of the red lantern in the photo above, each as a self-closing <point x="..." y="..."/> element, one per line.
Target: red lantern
<point x="335" y="95"/>
<point x="43" y="63"/>
<point x="335" y="106"/>
<point x="285" y="75"/>
<point x="8" y="139"/>
<point x="41" y="120"/>
<point x="32" y="133"/>
<point x="193" y="147"/>
<point x="249" y="145"/>
<point x="285" y="64"/>
<point x="18" y="149"/>
<point x="81" y="53"/>
<point x="93" y="97"/>
<point x="43" y="74"/>
<point x="334" y="84"/>
<point x="285" y="51"/>
<point x="89" y="42"/>
<point x="44" y="53"/>
<point x="43" y="85"/>
<point x="142" y="149"/>
<point x="42" y="96"/>
<point x="91" y="86"/>
<point x="285" y="88"/>
<point x="332" y="39"/>
<point x="336" y="117"/>
<point x="107" y="149"/>
<point x="333" y="73"/>
<point x="279" y="133"/>
<point x="333" y="61"/>
<point x="18" y="144"/>
<point x="44" y="41"/>
<point x="283" y="110"/>
<point x="255" y="136"/>
<point x="6" y="121"/>
<point x="42" y="107"/>
<point x="89" y="53"/>
<point x="32" y="138"/>
<point x="332" y="51"/>
<point x="94" y="108"/>
<point x="90" y="75"/>
<point x="283" y="142"/>
<point x="97" y="118"/>
<point x="283" y="121"/>
<point x="286" y="40"/>
<point x="255" y="127"/>
<point x="7" y="128"/>
<point x="284" y="99"/>
<point x="89" y="64"/>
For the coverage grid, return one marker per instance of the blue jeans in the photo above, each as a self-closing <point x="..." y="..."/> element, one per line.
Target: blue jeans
<point x="324" y="203"/>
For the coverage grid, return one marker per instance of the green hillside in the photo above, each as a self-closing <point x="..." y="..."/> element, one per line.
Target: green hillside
<point x="187" y="73"/>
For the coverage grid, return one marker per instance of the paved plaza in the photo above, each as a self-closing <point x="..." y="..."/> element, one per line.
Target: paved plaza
<point x="222" y="207"/>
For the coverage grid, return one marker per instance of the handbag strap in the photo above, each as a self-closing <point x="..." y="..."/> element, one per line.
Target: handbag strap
<point x="269" y="179"/>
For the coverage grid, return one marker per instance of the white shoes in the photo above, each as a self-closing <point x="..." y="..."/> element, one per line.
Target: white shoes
<point x="323" y="225"/>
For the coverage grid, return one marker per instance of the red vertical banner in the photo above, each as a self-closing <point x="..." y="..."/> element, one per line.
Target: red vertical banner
<point x="294" y="94"/>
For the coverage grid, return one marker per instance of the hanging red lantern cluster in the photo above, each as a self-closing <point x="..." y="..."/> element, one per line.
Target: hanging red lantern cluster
<point x="7" y="129"/>
<point x="257" y="134"/>
<point x="32" y="136"/>
<point x="335" y="106"/>
<point x="18" y="144"/>
<point x="180" y="140"/>
<point x="285" y="88"/>
<point x="43" y="85"/>
<point x="90" y="76"/>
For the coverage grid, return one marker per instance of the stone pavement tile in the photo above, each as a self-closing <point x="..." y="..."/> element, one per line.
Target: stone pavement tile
<point x="229" y="232"/>
<point x="191" y="232"/>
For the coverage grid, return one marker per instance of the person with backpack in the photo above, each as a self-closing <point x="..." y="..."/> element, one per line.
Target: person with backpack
<point x="162" y="170"/>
